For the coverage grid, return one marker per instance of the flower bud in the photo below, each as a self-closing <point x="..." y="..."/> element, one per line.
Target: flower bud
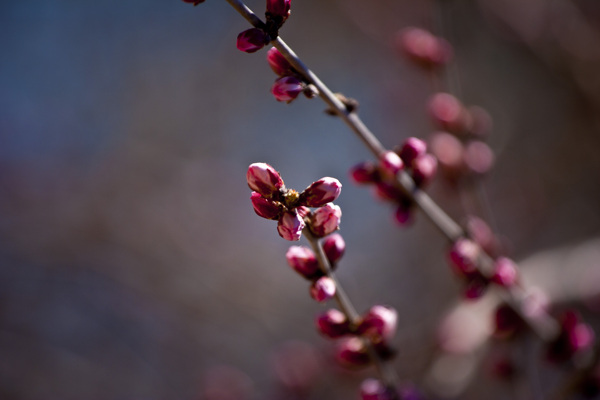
<point x="365" y="172"/>
<point x="264" y="179"/>
<point x="450" y="153"/>
<point x="303" y="261"/>
<point x="505" y="272"/>
<point x="252" y="40"/>
<point x="322" y="289"/>
<point x="475" y="287"/>
<point x="390" y="163"/>
<point x="278" y="63"/>
<point x="388" y="192"/>
<point x="449" y="113"/>
<point x="325" y="220"/>
<point x="404" y="214"/>
<point x="265" y="208"/>
<point x="464" y="256"/>
<point x="334" y="247"/>
<point x="321" y="192"/>
<point x="479" y="158"/>
<point x="423" y="169"/>
<point x="482" y="234"/>
<point x="287" y="88"/>
<point x="412" y="148"/>
<point x="333" y="323"/>
<point x="195" y="2"/>
<point x="379" y="322"/>
<point x="424" y="48"/>
<point x="290" y="226"/>
<point x="352" y="351"/>
<point x="279" y="8"/>
<point x="575" y="336"/>
<point x="507" y="321"/>
<point x="373" y="389"/>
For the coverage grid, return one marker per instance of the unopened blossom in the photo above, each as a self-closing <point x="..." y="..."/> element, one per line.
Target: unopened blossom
<point x="505" y="272"/>
<point x="323" y="289"/>
<point x="449" y="113"/>
<point x="373" y="389"/>
<point x="264" y="179"/>
<point x="325" y="220"/>
<point x="404" y="214"/>
<point x="194" y="2"/>
<point x="423" y="169"/>
<point x="390" y="164"/>
<point x="424" y="48"/>
<point x="290" y="226"/>
<point x="450" y="153"/>
<point x="252" y="40"/>
<point x="352" y="351"/>
<point x="321" y="192"/>
<point x="303" y="261"/>
<point x="379" y="322"/>
<point x="365" y="172"/>
<point x="279" y="8"/>
<point x="575" y="336"/>
<point x="464" y="256"/>
<point x="287" y="88"/>
<point x="264" y="207"/>
<point x="478" y="157"/>
<point x="334" y="247"/>
<point x="412" y="148"/>
<point x="475" y="287"/>
<point x="278" y="63"/>
<point x="333" y="323"/>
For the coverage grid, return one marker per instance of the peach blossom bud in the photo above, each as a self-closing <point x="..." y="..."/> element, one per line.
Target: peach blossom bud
<point x="449" y="113"/>
<point x="334" y="247"/>
<point x="322" y="289"/>
<point x="252" y="40"/>
<point x="287" y="88"/>
<point x="303" y="261"/>
<point x="321" y="192"/>
<point x="279" y="8"/>
<point x="278" y="63"/>
<point x="373" y="389"/>
<point x="365" y="172"/>
<point x="195" y="2"/>
<point x="390" y="164"/>
<point x="325" y="220"/>
<point x="333" y="323"/>
<point x="265" y="208"/>
<point x="264" y="179"/>
<point x="464" y="256"/>
<point x="379" y="322"/>
<point x="424" y="48"/>
<point x="479" y="158"/>
<point x="423" y="169"/>
<point x="352" y="352"/>
<point x="450" y="153"/>
<point x="290" y="226"/>
<point x="505" y="272"/>
<point x="411" y="148"/>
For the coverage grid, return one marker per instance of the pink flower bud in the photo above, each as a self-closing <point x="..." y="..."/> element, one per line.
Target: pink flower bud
<point x="505" y="272"/>
<point x="412" y="148"/>
<point x="287" y="88"/>
<point x="322" y="289"/>
<point x="482" y="234"/>
<point x="449" y="113"/>
<point x="388" y="192"/>
<point x="195" y="2"/>
<point x="279" y="8"/>
<point x="390" y="163"/>
<point x="379" y="322"/>
<point x="290" y="226"/>
<point x="404" y="214"/>
<point x="321" y="192"/>
<point x="479" y="158"/>
<point x="475" y="287"/>
<point x="449" y="152"/>
<point x="423" y="169"/>
<point x="265" y="208"/>
<point x="352" y="352"/>
<point x="252" y="40"/>
<point x="325" y="220"/>
<point x="303" y="261"/>
<point x="334" y="247"/>
<point x="263" y="178"/>
<point x="333" y="323"/>
<point x="278" y="63"/>
<point x="424" y="48"/>
<point x="464" y="257"/>
<point x="507" y="321"/>
<point x="575" y="336"/>
<point x="373" y="389"/>
<point x="365" y="172"/>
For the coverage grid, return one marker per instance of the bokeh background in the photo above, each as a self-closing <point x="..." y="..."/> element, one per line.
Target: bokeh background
<point x="131" y="263"/>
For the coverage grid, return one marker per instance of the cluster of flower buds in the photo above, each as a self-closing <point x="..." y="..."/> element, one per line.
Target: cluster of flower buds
<point x="304" y="261"/>
<point x="289" y="83"/>
<point x="466" y="258"/>
<point x="375" y="328"/>
<point x="411" y="156"/>
<point x="459" y="144"/>
<point x="254" y="39"/>
<point x="272" y="200"/>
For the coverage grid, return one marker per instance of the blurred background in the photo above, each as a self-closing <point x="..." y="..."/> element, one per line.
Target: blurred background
<point x="132" y="265"/>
